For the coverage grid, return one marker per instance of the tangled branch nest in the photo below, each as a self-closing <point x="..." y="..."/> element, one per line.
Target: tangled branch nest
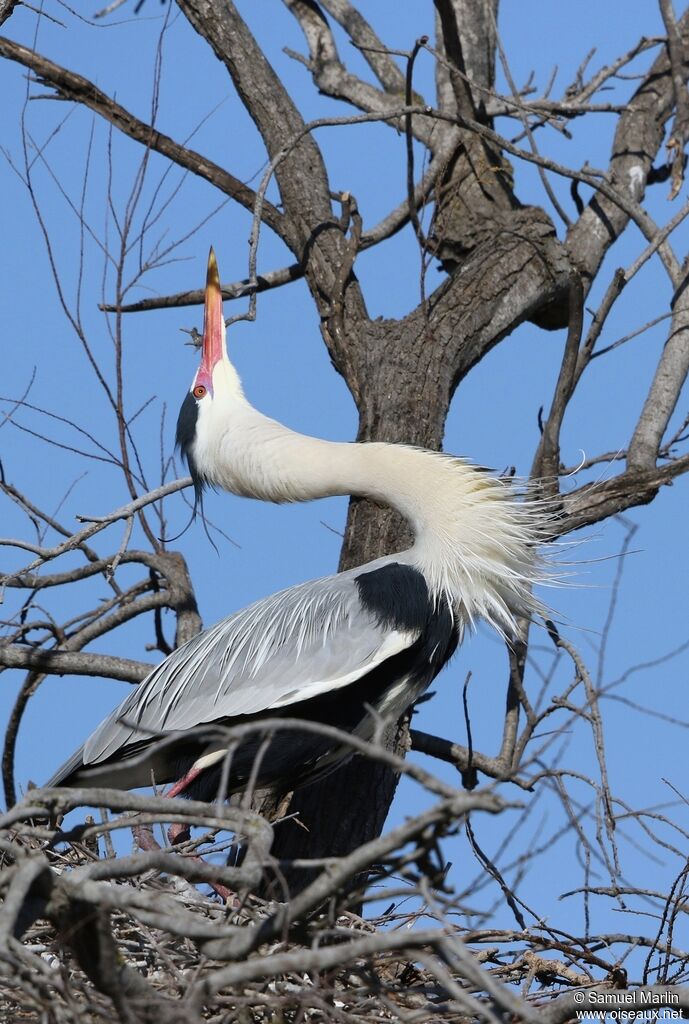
<point x="83" y="930"/>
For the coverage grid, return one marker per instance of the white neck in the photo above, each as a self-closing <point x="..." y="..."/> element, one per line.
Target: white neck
<point x="474" y="542"/>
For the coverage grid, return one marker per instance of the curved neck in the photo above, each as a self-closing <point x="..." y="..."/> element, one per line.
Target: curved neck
<point x="255" y="456"/>
<point x="473" y="541"/>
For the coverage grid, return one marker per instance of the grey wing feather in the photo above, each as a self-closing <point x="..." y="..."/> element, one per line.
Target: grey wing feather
<point x="291" y="646"/>
<point x="75" y="762"/>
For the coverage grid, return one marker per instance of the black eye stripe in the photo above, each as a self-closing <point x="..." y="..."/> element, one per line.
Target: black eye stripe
<point x="186" y="424"/>
<point x="184" y="440"/>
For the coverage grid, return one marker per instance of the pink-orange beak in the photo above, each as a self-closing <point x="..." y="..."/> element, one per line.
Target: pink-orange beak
<point x="213" y="343"/>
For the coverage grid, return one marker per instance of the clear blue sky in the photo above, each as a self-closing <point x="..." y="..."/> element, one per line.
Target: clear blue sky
<point x="287" y="374"/>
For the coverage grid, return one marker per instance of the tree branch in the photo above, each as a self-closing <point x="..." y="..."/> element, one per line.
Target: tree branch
<point x="77" y="89"/>
<point x="332" y="77"/>
<point x="680" y="130"/>
<point x="595" y="502"/>
<point x="462" y="758"/>
<point x="76" y="540"/>
<point x="546" y="464"/>
<point x="365" y="39"/>
<point x="195" y="297"/>
<point x="6" y="9"/>
<point x="668" y="381"/>
<point x="81" y="663"/>
<point x="302" y="178"/>
<point x="638" y="137"/>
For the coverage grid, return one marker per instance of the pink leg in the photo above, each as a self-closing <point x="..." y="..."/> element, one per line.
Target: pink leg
<point x="180" y="786"/>
<point x="179" y="833"/>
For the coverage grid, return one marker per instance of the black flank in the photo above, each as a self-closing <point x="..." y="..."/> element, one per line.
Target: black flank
<point x="397" y="595"/>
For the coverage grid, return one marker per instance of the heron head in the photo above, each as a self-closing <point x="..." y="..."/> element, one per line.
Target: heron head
<point x="215" y="381"/>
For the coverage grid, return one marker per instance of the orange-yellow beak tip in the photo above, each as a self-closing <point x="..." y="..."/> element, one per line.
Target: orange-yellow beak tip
<point x="212" y="276"/>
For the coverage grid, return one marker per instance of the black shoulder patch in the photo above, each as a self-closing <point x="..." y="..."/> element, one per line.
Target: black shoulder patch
<point x="397" y="595"/>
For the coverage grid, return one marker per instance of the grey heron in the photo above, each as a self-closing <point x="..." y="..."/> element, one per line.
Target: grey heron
<point x="332" y="650"/>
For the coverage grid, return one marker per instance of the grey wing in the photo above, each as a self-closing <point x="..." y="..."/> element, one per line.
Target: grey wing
<point x="294" y="645"/>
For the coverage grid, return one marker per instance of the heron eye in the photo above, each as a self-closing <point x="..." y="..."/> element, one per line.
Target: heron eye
<point x="199" y="391"/>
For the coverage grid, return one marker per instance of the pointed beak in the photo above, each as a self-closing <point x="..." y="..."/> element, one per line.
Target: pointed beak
<point x="213" y="343"/>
